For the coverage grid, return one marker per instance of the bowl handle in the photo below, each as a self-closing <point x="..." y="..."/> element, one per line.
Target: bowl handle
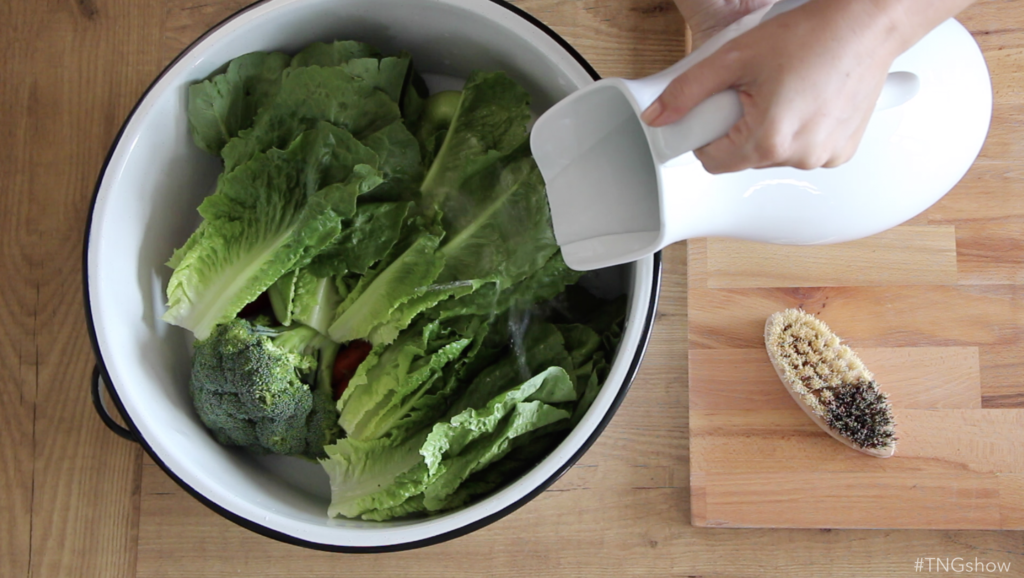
<point x="101" y="408"/>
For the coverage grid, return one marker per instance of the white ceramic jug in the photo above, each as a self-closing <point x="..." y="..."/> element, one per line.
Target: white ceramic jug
<point x="620" y="190"/>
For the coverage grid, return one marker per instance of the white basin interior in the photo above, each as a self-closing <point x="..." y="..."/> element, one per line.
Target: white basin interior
<point x="146" y="206"/>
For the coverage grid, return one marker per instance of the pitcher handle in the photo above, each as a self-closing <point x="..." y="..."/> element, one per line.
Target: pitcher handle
<point x="714" y="117"/>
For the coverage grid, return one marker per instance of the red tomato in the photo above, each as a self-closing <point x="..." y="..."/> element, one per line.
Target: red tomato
<point x="345" y="365"/>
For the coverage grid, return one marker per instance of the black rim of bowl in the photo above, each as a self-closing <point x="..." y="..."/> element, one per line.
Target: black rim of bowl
<point x="634" y="366"/>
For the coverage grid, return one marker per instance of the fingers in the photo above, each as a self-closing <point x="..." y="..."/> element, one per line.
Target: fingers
<point x="736" y="151"/>
<point x="755" y="144"/>
<point x="843" y="155"/>
<point x="712" y="75"/>
<point x="729" y="154"/>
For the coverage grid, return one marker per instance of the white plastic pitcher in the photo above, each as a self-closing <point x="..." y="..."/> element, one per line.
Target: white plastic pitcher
<point x="620" y="190"/>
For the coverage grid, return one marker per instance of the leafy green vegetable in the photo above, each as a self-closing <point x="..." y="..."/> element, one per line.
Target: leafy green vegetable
<point x="381" y="397"/>
<point x="496" y="222"/>
<point x="474" y="439"/>
<point x="346" y="98"/>
<point x="439" y="110"/>
<point x="491" y="122"/>
<point x="499" y="227"/>
<point x="379" y="295"/>
<point x="259" y="388"/>
<point x="265" y="219"/>
<point x="383" y="478"/>
<point x="528" y="450"/>
<point x="368" y="212"/>
<point x="373" y="476"/>
<point x="333" y="54"/>
<point x="282" y="296"/>
<point x="399" y="161"/>
<point x="542" y="346"/>
<point x="224" y="104"/>
<point x="422" y="300"/>
<point x="312" y="300"/>
<point x="366" y="240"/>
<point x="492" y="297"/>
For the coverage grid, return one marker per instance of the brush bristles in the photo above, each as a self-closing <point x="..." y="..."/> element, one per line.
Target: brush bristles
<point x="861" y="413"/>
<point x="830" y="379"/>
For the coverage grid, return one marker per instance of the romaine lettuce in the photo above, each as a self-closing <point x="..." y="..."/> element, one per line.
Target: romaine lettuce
<point x="265" y="219"/>
<point x="226" y="103"/>
<point x="386" y="477"/>
<point x="366" y="212"/>
<point x="310" y="95"/>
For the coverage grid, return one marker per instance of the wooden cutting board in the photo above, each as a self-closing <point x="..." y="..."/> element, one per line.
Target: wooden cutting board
<point x="934" y="308"/>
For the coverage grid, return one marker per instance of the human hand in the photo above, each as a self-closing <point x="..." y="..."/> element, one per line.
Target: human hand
<point x="808" y="81"/>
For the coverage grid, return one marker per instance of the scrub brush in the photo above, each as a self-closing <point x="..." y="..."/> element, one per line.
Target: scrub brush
<point x="830" y="383"/>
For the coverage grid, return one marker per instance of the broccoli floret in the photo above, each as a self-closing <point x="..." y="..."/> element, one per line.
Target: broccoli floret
<point x="260" y="388"/>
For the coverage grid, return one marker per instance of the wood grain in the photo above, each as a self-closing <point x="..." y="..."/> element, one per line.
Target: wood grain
<point x="1011" y="500"/>
<point x="77" y="501"/>
<point x="906" y="255"/>
<point x="933" y="308"/>
<point x="71" y="72"/>
<point x="851" y="499"/>
<point x="781" y="440"/>
<point x="18" y="303"/>
<point x="913" y="377"/>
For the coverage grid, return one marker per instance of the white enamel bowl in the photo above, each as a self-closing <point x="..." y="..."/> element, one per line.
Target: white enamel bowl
<point x="145" y="206"/>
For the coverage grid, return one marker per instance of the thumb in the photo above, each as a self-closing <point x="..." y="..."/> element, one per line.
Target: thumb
<point x="709" y="76"/>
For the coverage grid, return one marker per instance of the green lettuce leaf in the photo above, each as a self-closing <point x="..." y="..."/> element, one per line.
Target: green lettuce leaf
<point x="591" y="377"/>
<point x="314" y="300"/>
<point x="310" y="95"/>
<point x="225" y="104"/>
<point x="500" y="227"/>
<point x="374" y="475"/>
<point x="414" y="97"/>
<point x="366" y="240"/>
<point x="281" y="295"/>
<point x="387" y="385"/>
<point x="378" y="295"/>
<point x="489" y="192"/>
<point x="386" y="331"/>
<point x="381" y="395"/>
<point x="527" y="451"/>
<point x="265" y="219"/>
<point x="491" y="121"/>
<point x="540" y="346"/>
<point x="491" y="298"/>
<point x="582" y="343"/>
<point x="386" y="74"/>
<point x="333" y="54"/>
<point x="383" y="478"/>
<point x="496" y="222"/>
<point x="412" y="505"/>
<point x="399" y="161"/>
<point x="475" y="439"/>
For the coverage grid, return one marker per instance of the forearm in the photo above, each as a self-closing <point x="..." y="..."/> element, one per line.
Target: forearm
<point x="891" y="26"/>
<point x="913" y="19"/>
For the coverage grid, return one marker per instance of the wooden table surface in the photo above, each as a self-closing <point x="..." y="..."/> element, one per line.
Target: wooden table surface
<point x="75" y="500"/>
